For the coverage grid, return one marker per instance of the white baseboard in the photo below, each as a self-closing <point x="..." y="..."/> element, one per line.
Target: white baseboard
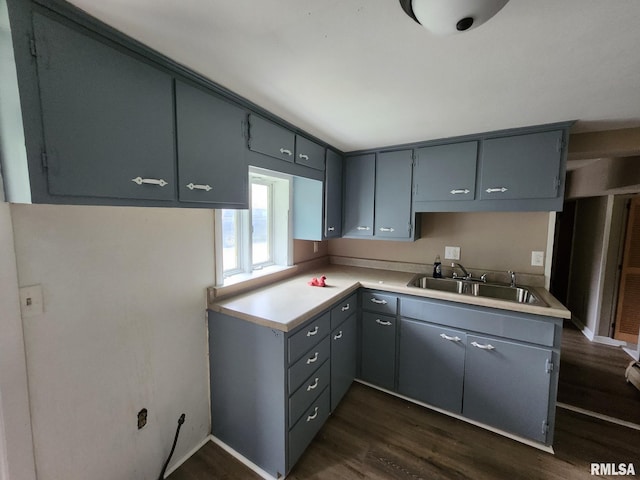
<point x="635" y="354"/>
<point x="186" y="457"/>
<point x="587" y="332"/>
<point x="244" y="460"/>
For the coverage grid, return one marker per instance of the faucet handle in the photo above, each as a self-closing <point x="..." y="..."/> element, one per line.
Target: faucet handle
<point x="513" y="277"/>
<point x="483" y="277"/>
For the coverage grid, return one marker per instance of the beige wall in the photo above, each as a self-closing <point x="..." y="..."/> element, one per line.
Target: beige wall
<point x="303" y="250"/>
<point x="497" y="241"/>
<point x="123" y="329"/>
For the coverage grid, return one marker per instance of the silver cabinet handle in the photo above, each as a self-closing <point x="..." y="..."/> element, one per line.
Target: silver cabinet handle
<point x="459" y="191"/>
<point x="385" y="323"/>
<point x="313" y="332"/>
<point x="312" y="359"/>
<point x="488" y="346"/>
<point x="379" y="302"/>
<point x="338" y="336"/>
<point x="451" y="339"/>
<point x="149" y="181"/>
<point x="313" y="386"/>
<point x="313" y="416"/>
<point x="346" y="307"/>
<point x="303" y="156"/>
<point x="192" y="186"/>
<point x="285" y="151"/>
<point x="496" y="190"/>
<point x="362" y="228"/>
<point x="331" y="229"/>
<point x="387" y="229"/>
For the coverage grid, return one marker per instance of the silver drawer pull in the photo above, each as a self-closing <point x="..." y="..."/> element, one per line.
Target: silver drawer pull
<point x="496" y="190"/>
<point x="345" y="308"/>
<point x="313" y="359"/>
<point x="387" y="229"/>
<point x="192" y="186"/>
<point x="338" y="336"/>
<point x="451" y="339"/>
<point x="314" y="386"/>
<point x="331" y="229"/>
<point x="379" y="302"/>
<point x="385" y="323"/>
<point x="303" y="156"/>
<point x="362" y="228"/>
<point x="488" y="346"/>
<point x="313" y="332"/>
<point x="459" y="191"/>
<point x="313" y="416"/>
<point x="284" y="151"/>
<point x="149" y="181"/>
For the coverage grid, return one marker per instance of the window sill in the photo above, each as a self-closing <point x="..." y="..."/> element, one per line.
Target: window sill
<point x="241" y="282"/>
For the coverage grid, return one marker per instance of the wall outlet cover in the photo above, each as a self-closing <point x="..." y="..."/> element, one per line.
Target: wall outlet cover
<point x="537" y="259"/>
<point x="452" y="253"/>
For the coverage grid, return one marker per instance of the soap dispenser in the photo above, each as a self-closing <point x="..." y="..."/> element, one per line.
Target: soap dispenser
<point x="437" y="267"/>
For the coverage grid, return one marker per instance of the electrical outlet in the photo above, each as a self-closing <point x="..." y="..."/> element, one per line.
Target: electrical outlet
<point x="537" y="259"/>
<point x="452" y="253"/>
<point x="31" y="303"/>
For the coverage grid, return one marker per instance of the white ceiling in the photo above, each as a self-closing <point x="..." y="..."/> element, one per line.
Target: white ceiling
<point x="360" y="73"/>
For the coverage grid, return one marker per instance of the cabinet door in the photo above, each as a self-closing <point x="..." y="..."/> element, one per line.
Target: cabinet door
<point x="378" y="361"/>
<point x="309" y="153"/>
<point x="108" y="118"/>
<point x="445" y="172"/>
<point x="333" y="195"/>
<point x="521" y="166"/>
<point x="431" y="364"/>
<point x="211" y="162"/>
<point x="359" y="187"/>
<point x="506" y="385"/>
<point x="343" y="359"/>
<point x="270" y="139"/>
<point x="393" y="194"/>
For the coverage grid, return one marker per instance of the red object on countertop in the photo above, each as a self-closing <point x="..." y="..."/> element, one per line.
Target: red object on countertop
<point x="318" y="282"/>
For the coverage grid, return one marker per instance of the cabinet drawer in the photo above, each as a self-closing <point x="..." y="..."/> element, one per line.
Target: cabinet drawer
<point x="309" y="153"/>
<point x="308" y="336"/>
<point x="303" y="432"/>
<point x="309" y="362"/>
<point x="270" y="139"/>
<point x="308" y="392"/>
<point x="378" y="302"/>
<point x="345" y="308"/>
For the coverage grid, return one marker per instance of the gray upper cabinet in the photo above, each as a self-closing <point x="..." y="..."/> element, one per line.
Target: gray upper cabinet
<point x="309" y="153"/>
<point x="333" y="195"/>
<point x="393" y="195"/>
<point x="211" y="147"/>
<point x="521" y="166"/>
<point x="359" y="185"/>
<point x="270" y="139"/>
<point x="108" y="118"/>
<point x="445" y="172"/>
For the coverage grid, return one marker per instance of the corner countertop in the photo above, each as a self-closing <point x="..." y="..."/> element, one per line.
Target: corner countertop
<point x="286" y="304"/>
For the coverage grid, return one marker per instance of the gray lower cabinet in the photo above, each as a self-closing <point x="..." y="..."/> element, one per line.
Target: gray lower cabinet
<point x="431" y="364"/>
<point x="378" y="350"/>
<point x="108" y="118"/>
<point x="359" y="188"/>
<point x="333" y="195"/>
<point x="211" y="148"/>
<point x="344" y="343"/>
<point x="507" y="385"/>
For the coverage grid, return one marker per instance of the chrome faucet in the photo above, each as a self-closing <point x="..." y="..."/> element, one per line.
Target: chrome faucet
<point x="513" y="278"/>
<point x="466" y="276"/>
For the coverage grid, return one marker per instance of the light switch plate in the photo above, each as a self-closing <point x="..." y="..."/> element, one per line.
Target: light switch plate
<point x="452" y="253"/>
<point x="537" y="259"/>
<point x="31" y="303"/>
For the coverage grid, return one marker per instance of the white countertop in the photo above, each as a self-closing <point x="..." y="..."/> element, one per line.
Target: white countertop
<point x="286" y="304"/>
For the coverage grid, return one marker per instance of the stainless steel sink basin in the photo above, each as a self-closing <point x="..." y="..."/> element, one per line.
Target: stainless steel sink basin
<point x="477" y="289"/>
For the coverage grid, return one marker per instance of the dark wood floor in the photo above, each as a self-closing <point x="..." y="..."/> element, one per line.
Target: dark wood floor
<point x="372" y="435"/>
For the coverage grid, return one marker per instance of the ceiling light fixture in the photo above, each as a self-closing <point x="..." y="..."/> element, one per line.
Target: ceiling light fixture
<point x="445" y="17"/>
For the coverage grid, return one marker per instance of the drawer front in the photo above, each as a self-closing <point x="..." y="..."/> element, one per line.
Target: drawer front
<point x="309" y="153"/>
<point x="270" y="139"/>
<point x="308" y="336"/>
<point x="308" y="392"/>
<point x="302" y="433"/>
<point x="303" y="368"/>
<point x="340" y="312"/>
<point x="379" y="302"/>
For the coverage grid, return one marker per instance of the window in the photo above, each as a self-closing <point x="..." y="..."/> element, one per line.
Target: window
<point x="258" y="238"/>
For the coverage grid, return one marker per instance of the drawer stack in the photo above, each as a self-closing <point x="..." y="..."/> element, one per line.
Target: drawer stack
<point x="308" y="380"/>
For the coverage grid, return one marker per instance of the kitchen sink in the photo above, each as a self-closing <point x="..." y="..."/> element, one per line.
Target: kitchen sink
<point x="477" y="289"/>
